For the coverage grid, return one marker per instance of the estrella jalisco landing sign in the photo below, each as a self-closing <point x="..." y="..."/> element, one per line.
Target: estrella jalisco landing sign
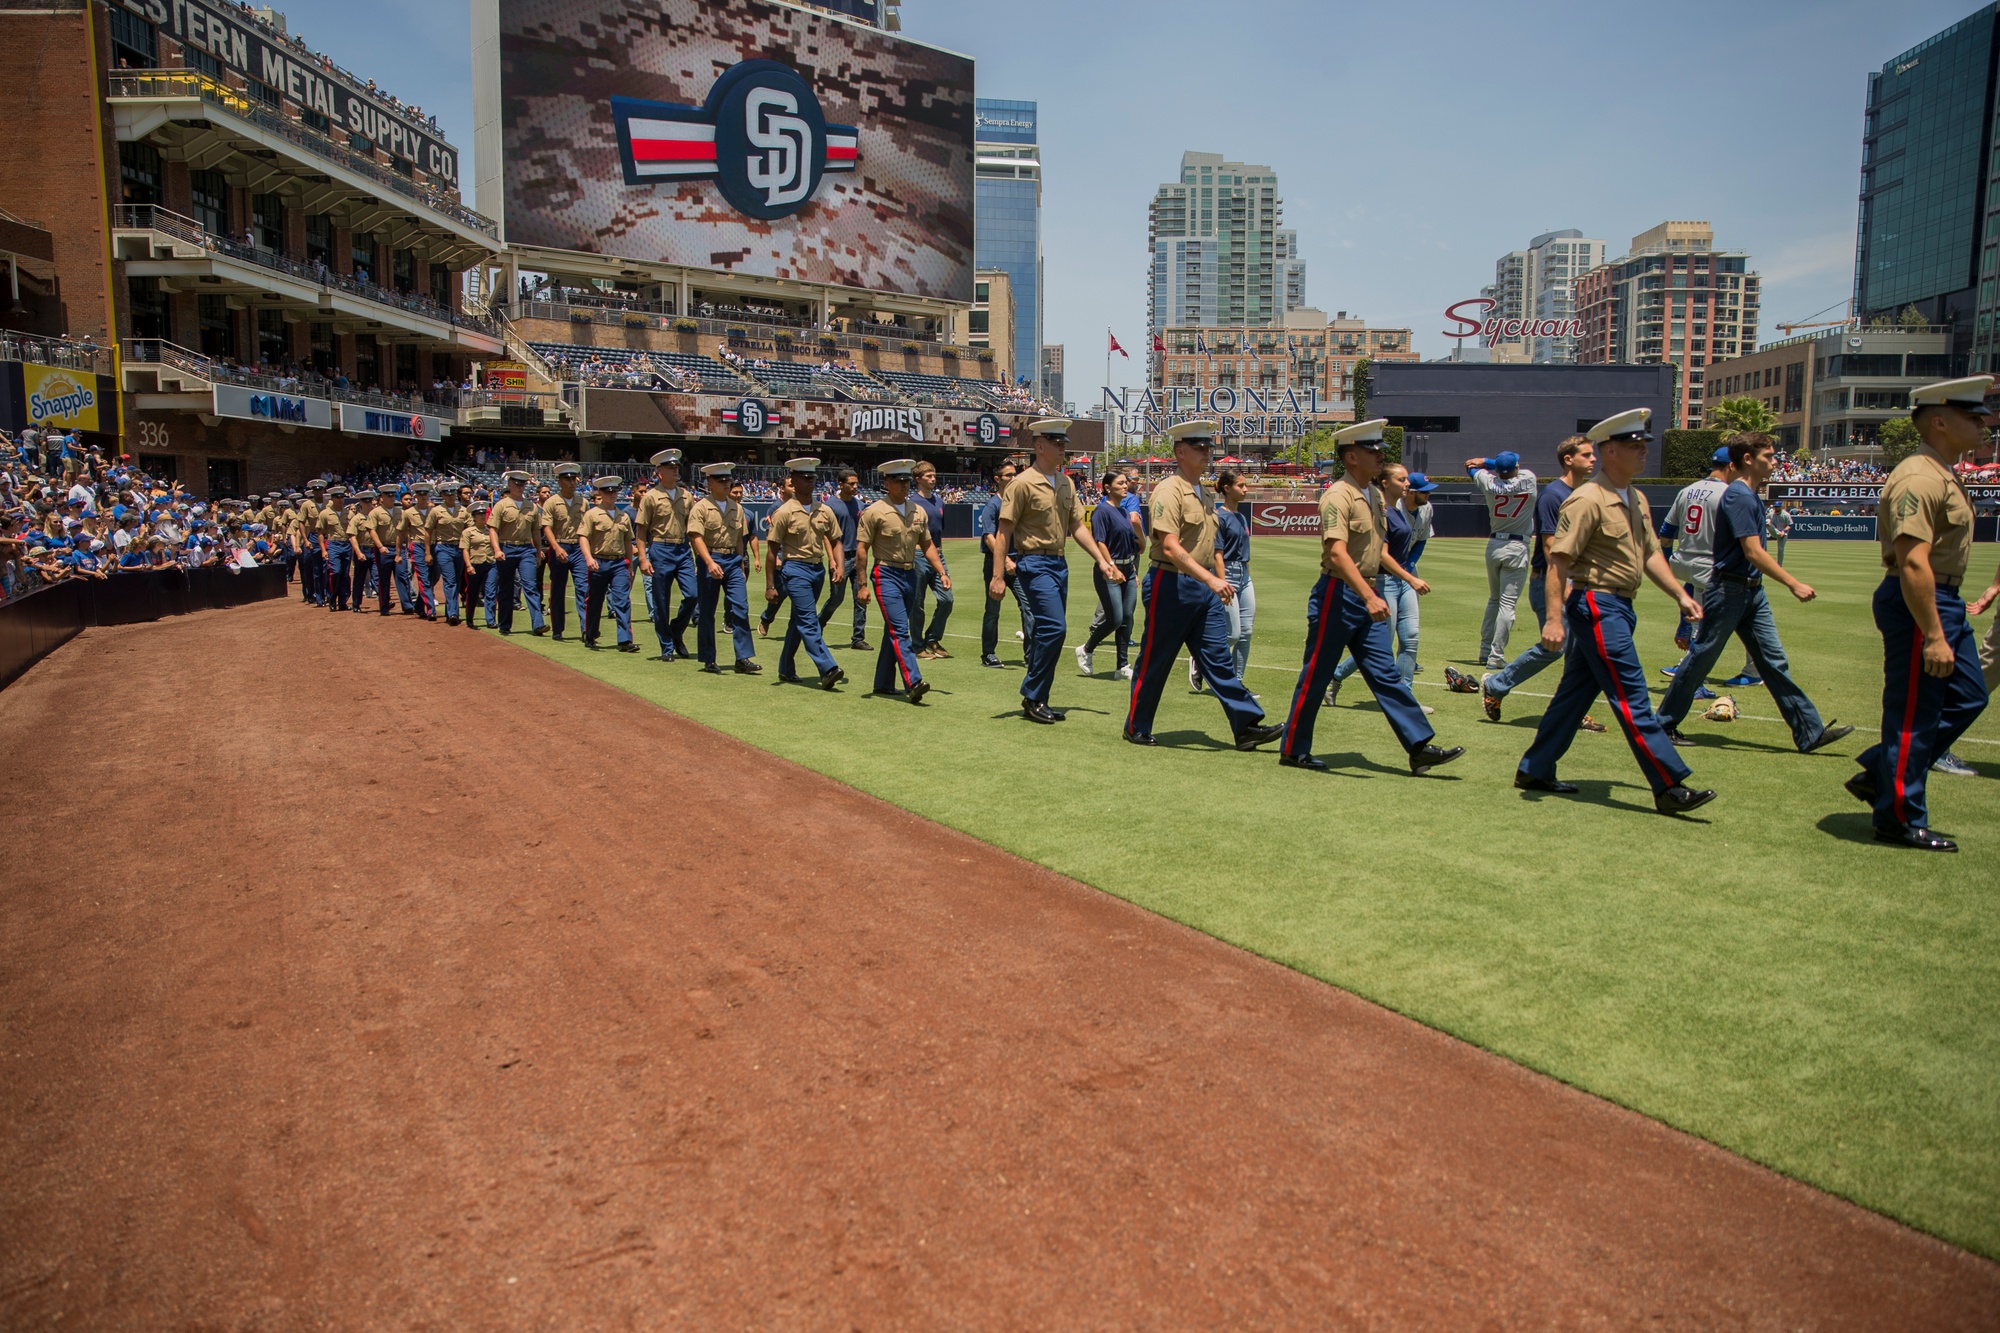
<point x="761" y="136"/>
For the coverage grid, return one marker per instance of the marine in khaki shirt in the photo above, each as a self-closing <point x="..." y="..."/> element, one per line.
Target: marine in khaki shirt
<point x="606" y="534"/>
<point x="663" y="515"/>
<point x="1043" y="510"/>
<point x="724" y="534"/>
<point x="477" y="544"/>
<point x="1349" y="514"/>
<point x="445" y="523"/>
<point x="562" y="515"/>
<point x="1608" y="540"/>
<point x="1187" y="511"/>
<point x="329" y="524"/>
<point x="379" y="523"/>
<point x="411" y="524"/>
<point x="894" y="536"/>
<point x="1925" y="501"/>
<point x="797" y="533"/>
<point x="515" y="520"/>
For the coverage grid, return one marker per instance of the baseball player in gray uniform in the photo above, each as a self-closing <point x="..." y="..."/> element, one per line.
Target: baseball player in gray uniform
<point x="1508" y="491"/>
<point x="1688" y="538"/>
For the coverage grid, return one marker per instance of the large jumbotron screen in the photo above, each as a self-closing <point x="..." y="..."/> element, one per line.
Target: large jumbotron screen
<point x="741" y="135"/>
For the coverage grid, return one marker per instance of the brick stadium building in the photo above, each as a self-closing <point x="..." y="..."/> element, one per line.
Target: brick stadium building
<point x="276" y="275"/>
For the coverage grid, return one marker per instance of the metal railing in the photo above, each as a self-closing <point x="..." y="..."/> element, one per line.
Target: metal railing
<point x="152" y="217"/>
<point x="309" y="384"/>
<point x="86" y="356"/>
<point x="152" y="85"/>
<point x="610" y="311"/>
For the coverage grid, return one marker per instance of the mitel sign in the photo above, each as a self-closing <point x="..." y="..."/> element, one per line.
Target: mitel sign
<point x="902" y="420"/>
<point x="1505" y="330"/>
<point x="285" y="409"/>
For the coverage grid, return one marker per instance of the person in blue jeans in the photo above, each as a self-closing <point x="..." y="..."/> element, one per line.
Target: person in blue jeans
<point x="1117" y="603"/>
<point x="930" y="638"/>
<point x="1734" y="603"/>
<point x="846" y="505"/>
<point x="1394" y="483"/>
<point x="1134" y="509"/>
<point x="1232" y="549"/>
<point x="1578" y="457"/>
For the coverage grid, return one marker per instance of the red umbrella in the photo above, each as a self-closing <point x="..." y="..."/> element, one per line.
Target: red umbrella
<point x="1229" y="458"/>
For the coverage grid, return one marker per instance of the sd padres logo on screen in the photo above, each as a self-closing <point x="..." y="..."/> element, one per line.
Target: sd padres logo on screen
<point x="761" y="136"/>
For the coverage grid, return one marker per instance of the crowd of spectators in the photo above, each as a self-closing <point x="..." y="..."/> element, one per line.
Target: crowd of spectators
<point x="1828" y="470"/>
<point x="638" y="373"/>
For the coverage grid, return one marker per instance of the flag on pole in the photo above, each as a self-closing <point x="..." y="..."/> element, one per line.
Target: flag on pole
<point x="1159" y="343"/>
<point x="1201" y="344"/>
<point x="1115" y="347"/>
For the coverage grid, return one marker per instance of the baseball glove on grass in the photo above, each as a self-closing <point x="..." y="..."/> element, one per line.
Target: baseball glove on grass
<point x="1722" y="710"/>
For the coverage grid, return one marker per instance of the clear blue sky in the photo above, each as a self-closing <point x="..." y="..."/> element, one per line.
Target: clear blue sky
<point x="1414" y="144"/>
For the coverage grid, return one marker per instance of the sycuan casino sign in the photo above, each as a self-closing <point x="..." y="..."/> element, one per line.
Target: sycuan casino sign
<point x="1505" y="330"/>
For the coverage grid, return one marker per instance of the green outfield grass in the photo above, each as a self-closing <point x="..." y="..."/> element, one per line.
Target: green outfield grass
<point x="1762" y="975"/>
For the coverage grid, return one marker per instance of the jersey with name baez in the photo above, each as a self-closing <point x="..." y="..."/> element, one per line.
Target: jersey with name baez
<point x="1691" y="524"/>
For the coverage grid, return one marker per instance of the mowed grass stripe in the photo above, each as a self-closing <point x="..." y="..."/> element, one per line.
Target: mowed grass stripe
<point x="1762" y="975"/>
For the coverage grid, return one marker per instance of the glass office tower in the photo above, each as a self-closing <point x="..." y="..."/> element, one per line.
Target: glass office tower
<point x="1929" y="235"/>
<point x="1008" y="230"/>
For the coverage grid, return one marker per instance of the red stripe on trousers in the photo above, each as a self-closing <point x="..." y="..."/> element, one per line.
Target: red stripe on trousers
<point x="1909" y="720"/>
<point x="1305" y="687"/>
<point x="1145" y="649"/>
<point x="1618" y="691"/>
<point x="894" y="645"/>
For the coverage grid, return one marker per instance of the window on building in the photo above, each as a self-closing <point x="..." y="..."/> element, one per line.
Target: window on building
<point x="319" y="344"/>
<point x="366" y="352"/>
<point x="149" y="307"/>
<point x="216" y="327"/>
<point x="319" y="238"/>
<point x="209" y="196"/>
<point x="273" y="339"/>
<point x="133" y="44"/>
<point x="976" y="322"/>
<point x="1928" y="365"/>
<point x="406" y="365"/>
<point x="138" y="169"/>
<point x="441" y="280"/>
<point x="267" y="222"/>
<point x="201" y="61"/>
<point x="361" y="254"/>
<point x="403" y="270"/>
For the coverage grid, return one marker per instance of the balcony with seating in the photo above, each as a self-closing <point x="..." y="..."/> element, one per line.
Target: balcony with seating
<point x="628" y="368"/>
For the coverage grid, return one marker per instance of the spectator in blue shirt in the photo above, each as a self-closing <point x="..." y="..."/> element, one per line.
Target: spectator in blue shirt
<point x="1117" y="603"/>
<point x="847" y="506"/>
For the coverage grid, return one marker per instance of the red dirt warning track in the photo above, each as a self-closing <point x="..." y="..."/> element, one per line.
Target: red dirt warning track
<point x="358" y="986"/>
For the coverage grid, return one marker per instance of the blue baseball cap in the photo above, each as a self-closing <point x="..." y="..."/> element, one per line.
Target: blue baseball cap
<point x="1420" y="482"/>
<point x="1720" y="458"/>
<point x="1506" y="462"/>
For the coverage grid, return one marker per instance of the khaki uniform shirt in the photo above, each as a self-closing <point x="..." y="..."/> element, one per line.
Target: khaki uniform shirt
<point x="1186" y="511"/>
<point x="1042" y="509"/>
<point x="799" y="534"/>
<point x="1922" y="499"/>
<point x="308" y="511"/>
<point x="329" y="523"/>
<point x="382" y="523"/>
<point x="1349" y="514"/>
<point x="893" y="537"/>
<point x="724" y="533"/>
<point x="565" y="516"/>
<point x="1607" y="540"/>
<point x="477" y="543"/>
<point x="412" y="524"/>
<point x="445" y="524"/>
<point x="515" y="523"/>
<point x="663" y="515"/>
<point x="610" y="533"/>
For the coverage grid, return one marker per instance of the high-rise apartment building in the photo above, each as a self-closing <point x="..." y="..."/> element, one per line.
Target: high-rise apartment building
<point x="1008" y="231"/>
<point x="1929" y="228"/>
<point x="1052" y="372"/>
<point x="1217" y="255"/>
<point x="1672" y="298"/>
<point x="1538" y="283"/>
<point x="994" y="320"/>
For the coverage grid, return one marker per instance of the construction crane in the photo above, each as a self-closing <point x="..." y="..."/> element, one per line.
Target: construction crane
<point x="1811" y="323"/>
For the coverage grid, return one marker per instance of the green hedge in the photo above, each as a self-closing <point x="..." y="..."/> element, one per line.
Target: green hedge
<point x="1685" y="453"/>
<point x="1392" y="444"/>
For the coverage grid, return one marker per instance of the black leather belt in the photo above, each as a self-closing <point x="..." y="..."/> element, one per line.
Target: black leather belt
<point x="1510" y="536"/>
<point x="1746" y="580"/>
<point x="1950" y="583"/>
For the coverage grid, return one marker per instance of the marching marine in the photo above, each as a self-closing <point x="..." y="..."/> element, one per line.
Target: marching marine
<point x="719" y="532"/>
<point x="802" y="536"/>
<point x="895" y="533"/>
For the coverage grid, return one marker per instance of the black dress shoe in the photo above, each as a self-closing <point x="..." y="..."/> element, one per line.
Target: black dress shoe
<point x="451" y="620"/>
<point x="919" y="690"/>
<point x="1549" y="785"/>
<point x="746" y="667"/>
<point x="1680" y="800"/>
<point x="789" y="678"/>
<point x="830" y="678"/>
<point x="588" y="643"/>
<point x="1427" y="757"/>
<point x="1828" y="737"/>
<point x="661" y="657"/>
<point x="1861" y="787"/>
<point x="681" y="649"/>
<point x="1261" y="734"/>
<point x="989" y="660"/>
<point x="557" y="636"/>
<point x="1678" y="737"/>
<point x="1139" y="737"/>
<point x="1919" y="839"/>
<point x="1305" y="761"/>
<point x="628" y="647"/>
<point x="710" y="669"/>
<point x="1039" y="712"/>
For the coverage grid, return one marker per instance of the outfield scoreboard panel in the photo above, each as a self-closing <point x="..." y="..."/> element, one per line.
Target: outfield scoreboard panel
<point x="740" y="135"/>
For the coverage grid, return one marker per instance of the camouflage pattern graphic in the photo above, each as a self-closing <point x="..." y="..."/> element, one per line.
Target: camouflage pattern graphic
<point x="900" y="223"/>
<point x="652" y="412"/>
